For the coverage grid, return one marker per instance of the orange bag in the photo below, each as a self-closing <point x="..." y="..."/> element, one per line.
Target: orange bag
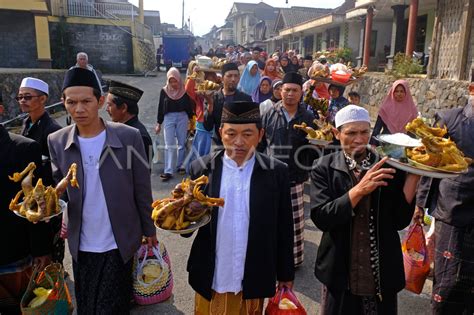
<point x="286" y="297"/>
<point x="415" y="258"/>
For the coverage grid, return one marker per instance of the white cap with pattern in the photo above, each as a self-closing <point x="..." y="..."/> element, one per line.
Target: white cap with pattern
<point x="351" y="113"/>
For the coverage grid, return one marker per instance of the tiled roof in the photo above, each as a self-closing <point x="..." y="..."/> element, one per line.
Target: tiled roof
<point x="297" y="15"/>
<point x="261" y="10"/>
<point x="347" y="5"/>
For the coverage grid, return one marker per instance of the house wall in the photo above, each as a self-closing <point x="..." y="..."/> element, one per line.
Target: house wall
<point x="449" y="41"/>
<point x="109" y="48"/>
<point x="429" y="95"/>
<point x="383" y="28"/>
<point x="470" y="58"/>
<point x="18" y="40"/>
<point x="353" y="38"/>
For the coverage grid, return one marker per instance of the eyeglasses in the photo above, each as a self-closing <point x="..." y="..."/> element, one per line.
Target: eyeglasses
<point x="26" y="97"/>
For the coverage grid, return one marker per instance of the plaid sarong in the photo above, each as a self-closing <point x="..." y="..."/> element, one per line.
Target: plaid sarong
<point x="297" y="204"/>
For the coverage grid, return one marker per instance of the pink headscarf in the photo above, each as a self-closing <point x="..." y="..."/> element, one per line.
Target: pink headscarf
<point x="395" y="114"/>
<point x="174" y="94"/>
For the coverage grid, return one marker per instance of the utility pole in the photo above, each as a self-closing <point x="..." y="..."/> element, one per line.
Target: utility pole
<point x="182" y="17"/>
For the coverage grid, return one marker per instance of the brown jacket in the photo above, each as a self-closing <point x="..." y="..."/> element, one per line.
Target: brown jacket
<point x="126" y="186"/>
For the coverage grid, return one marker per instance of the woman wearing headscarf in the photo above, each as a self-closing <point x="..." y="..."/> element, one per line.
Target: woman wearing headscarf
<point x="285" y="64"/>
<point x="174" y="111"/>
<point x="266" y="105"/>
<point x="250" y="78"/>
<point x="396" y="111"/>
<point x="264" y="90"/>
<point x="336" y="101"/>
<point x="271" y="70"/>
<point x="295" y="63"/>
<point x="202" y="138"/>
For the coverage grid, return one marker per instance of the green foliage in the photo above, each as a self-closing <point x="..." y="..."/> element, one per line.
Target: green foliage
<point x="404" y="66"/>
<point x="343" y="52"/>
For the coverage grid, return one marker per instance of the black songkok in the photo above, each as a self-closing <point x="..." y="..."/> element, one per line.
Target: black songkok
<point x="293" y="77"/>
<point x="230" y="66"/>
<point x="125" y="91"/>
<point x="241" y="113"/>
<point x="80" y="77"/>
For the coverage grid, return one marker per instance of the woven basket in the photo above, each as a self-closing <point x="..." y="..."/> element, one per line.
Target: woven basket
<point x="161" y="288"/>
<point x="59" y="300"/>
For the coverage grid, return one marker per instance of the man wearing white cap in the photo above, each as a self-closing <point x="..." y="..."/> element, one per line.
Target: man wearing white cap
<point x="32" y="97"/>
<point x="359" y="205"/>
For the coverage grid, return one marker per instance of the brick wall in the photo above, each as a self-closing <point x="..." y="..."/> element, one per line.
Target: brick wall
<point x="109" y="48"/>
<point x="17" y="40"/>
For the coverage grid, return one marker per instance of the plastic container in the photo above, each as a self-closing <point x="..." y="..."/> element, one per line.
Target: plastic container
<point x="339" y="76"/>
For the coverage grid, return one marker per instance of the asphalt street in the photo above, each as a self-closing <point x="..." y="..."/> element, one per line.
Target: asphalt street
<point x="307" y="287"/>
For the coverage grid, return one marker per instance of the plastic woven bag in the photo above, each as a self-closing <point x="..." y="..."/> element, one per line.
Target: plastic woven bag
<point x="156" y="289"/>
<point x="415" y="258"/>
<point x="58" y="300"/>
<point x="284" y="302"/>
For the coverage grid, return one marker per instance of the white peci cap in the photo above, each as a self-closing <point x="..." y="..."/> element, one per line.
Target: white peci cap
<point x="351" y="113"/>
<point x="36" y="84"/>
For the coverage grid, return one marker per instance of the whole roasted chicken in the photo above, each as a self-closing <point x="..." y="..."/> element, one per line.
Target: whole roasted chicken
<point x="323" y="133"/>
<point x="39" y="201"/>
<point x="436" y="151"/>
<point x="187" y="204"/>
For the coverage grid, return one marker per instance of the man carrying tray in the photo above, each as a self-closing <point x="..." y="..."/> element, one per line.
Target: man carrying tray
<point x="451" y="202"/>
<point x="110" y="212"/>
<point x="360" y="206"/>
<point x="237" y="258"/>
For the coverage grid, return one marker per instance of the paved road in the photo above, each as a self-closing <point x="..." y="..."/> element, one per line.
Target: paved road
<point x="307" y="286"/>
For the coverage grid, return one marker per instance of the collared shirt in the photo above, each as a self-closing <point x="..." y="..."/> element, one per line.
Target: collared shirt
<point x="287" y="115"/>
<point x="233" y="226"/>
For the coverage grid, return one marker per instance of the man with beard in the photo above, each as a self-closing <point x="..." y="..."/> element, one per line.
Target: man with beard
<point x="228" y="94"/>
<point x="237" y="258"/>
<point x="450" y="202"/>
<point x="287" y="144"/>
<point x="122" y="106"/>
<point x="360" y="206"/>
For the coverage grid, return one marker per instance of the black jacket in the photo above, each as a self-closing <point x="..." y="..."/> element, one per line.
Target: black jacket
<point x="136" y="123"/>
<point x="213" y="120"/>
<point x="451" y="200"/>
<point x="18" y="237"/>
<point x="287" y="144"/>
<point x="39" y="131"/>
<point x="331" y="212"/>
<point x="270" y="240"/>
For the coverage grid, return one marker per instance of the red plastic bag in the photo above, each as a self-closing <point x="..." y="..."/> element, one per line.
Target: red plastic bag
<point x="284" y="296"/>
<point x="415" y="258"/>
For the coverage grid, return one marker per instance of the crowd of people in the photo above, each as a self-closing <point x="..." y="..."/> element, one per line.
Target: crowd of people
<point x="245" y="142"/>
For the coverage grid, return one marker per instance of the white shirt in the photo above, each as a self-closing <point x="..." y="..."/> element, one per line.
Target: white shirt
<point x="232" y="226"/>
<point x="96" y="230"/>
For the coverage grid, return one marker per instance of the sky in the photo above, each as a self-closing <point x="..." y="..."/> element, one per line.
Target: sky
<point x="204" y="14"/>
